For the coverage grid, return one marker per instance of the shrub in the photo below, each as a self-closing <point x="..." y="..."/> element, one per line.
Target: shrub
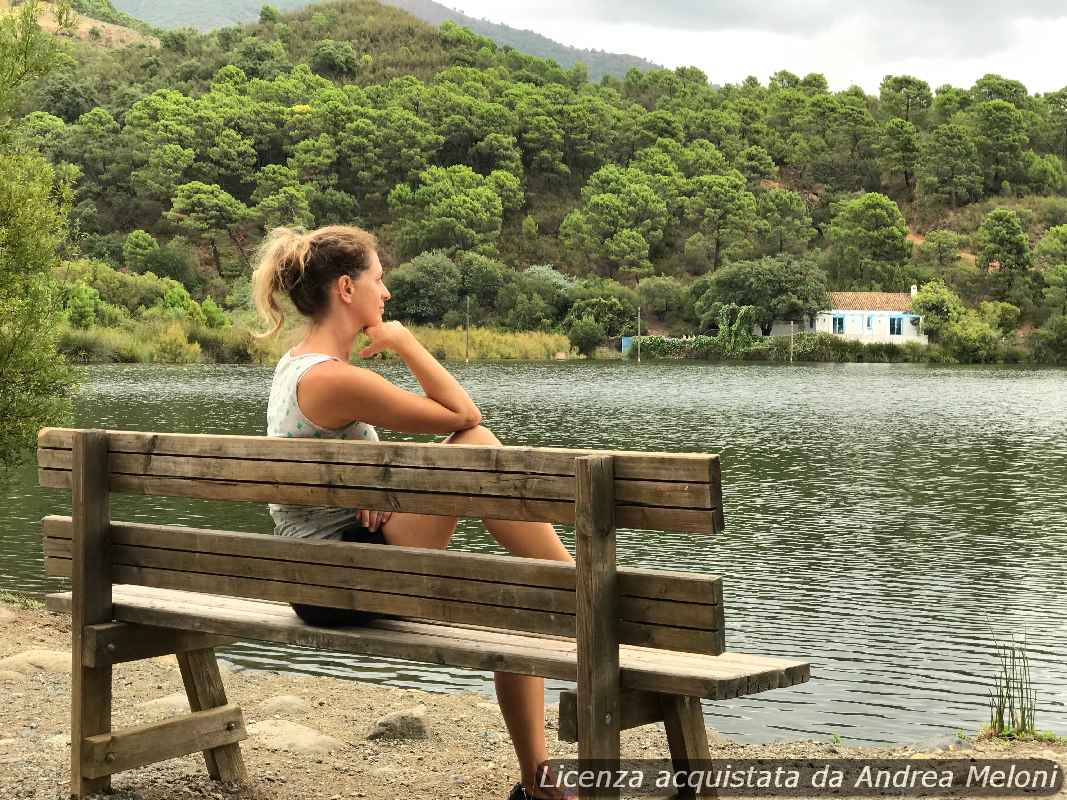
<point x="81" y="303"/>
<point x="229" y="345"/>
<point x="586" y="334"/>
<point x="137" y="247"/>
<point x="213" y="315"/>
<point x="172" y="347"/>
<point x="103" y="345"/>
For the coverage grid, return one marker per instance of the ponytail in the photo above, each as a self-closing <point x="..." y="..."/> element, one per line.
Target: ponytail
<point x="303" y="265"/>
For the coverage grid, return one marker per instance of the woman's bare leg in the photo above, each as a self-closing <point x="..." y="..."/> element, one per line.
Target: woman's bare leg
<point x="521" y="697"/>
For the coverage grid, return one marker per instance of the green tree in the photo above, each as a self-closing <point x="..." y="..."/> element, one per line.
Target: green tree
<point x="1052" y="249"/>
<point x="612" y="315"/>
<point x="138" y="246"/>
<point x="972" y="339"/>
<point x="425" y="288"/>
<point x="784" y="224"/>
<point x="621" y="218"/>
<point x="1002" y="243"/>
<point x="80" y="303"/>
<point x="1044" y="174"/>
<point x="869" y="243"/>
<point x="205" y="211"/>
<point x="664" y="298"/>
<point x="452" y="208"/>
<point x="1055" y="293"/>
<point x="941" y="248"/>
<point x="335" y="59"/>
<point x="268" y="15"/>
<point x="586" y="334"/>
<point x="949" y="168"/>
<point x="777" y="288"/>
<point x="905" y="97"/>
<point x="1049" y="342"/>
<point x="288" y="206"/>
<point x="35" y="381"/>
<point x="26" y="53"/>
<point x="723" y="210"/>
<point x="1000" y="135"/>
<point x="756" y="164"/>
<point x="175" y="262"/>
<point x="898" y="149"/>
<point x="1002" y="316"/>
<point x="939" y="307"/>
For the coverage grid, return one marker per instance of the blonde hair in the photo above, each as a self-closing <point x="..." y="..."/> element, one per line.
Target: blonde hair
<point x="304" y="265"/>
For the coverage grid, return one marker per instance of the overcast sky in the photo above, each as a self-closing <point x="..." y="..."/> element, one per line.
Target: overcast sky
<point x="940" y="41"/>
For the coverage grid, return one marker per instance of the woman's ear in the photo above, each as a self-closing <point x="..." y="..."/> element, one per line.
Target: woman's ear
<point x="345" y="289"/>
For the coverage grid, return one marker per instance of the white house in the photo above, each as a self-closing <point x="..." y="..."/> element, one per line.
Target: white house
<point x="872" y="317"/>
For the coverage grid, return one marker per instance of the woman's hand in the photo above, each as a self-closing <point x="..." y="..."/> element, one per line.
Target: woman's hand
<point x="386" y="336"/>
<point x="373" y="520"/>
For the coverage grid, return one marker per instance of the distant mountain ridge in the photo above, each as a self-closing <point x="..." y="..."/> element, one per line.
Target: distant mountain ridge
<point x="598" y="62"/>
<point x="208" y="14"/>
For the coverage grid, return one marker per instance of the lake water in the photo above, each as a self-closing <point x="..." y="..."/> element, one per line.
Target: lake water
<point x="888" y="522"/>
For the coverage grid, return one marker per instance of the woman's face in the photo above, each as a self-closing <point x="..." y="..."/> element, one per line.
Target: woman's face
<point x="367" y="294"/>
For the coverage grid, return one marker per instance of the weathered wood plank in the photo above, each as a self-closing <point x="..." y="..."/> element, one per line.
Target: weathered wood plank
<point x="630" y="465"/>
<point x="447" y="610"/>
<point x="109" y="753"/>
<point x="711" y="677"/>
<point x="666" y="493"/>
<point x="91" y="603"/>
<point x="510" y="590"/>
<point x="205" y="690"/>
<point x="118" y="642"/>
<point x="635" y="709"/>
<point x="629" y="516"/>
<point x="633" y="581"/>
<point x="597" y="625"/>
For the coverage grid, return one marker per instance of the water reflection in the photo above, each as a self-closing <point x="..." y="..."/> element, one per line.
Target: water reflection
<point x="884" y="520"/>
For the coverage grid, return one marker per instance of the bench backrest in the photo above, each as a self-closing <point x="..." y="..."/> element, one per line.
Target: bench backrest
<point x="653" y="491"/>
<point x="673" y="611"/>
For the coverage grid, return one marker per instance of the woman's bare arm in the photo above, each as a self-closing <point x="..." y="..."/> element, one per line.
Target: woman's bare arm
<point x="332" y="394"/>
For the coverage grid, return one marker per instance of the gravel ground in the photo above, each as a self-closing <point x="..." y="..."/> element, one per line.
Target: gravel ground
<point x="308" y="734"/>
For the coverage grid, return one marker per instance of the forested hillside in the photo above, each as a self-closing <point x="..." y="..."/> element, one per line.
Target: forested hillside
<point x="207" y="15"/>
<point x="545" y="197"/>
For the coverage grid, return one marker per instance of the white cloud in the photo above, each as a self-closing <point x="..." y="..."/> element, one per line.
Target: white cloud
<point x="954" y="43"/>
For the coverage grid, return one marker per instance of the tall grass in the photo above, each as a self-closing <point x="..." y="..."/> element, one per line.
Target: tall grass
<point x="1012" y="699"/>
<point x="185" y="342"/>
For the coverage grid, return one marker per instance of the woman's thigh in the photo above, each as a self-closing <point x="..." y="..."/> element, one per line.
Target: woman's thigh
<point x="419" y="530"/>
<point x="427" y="530"/>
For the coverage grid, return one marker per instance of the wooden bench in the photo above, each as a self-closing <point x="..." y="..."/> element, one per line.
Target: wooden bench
<point x="643" y="645"/>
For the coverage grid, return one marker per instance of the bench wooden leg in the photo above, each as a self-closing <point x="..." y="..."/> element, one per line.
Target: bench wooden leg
<point x="203" y="685"/>
<point x="90" y="707"/>
<point x="687" y="737"/>
<point x="90" y="716"/>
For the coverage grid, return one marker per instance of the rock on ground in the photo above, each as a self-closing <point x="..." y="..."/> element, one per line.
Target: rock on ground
<point x="407" y="724"/>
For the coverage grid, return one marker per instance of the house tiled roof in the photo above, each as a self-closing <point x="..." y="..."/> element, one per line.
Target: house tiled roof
<point x="870" y="301"/>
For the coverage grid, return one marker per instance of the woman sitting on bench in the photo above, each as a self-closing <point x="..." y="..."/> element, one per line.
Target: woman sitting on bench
<point x="334" y="278"/>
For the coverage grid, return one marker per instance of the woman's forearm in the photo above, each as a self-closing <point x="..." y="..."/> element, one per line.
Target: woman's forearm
<point x="438" y="383"/>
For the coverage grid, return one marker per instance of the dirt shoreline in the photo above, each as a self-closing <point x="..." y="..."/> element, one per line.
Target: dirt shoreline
<point x="467" y="753"/>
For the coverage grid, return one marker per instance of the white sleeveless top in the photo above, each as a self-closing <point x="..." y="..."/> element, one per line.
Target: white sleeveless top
<point x="285" y="419"/>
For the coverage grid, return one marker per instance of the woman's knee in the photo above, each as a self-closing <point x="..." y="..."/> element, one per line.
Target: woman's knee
<point x="476" y="435"/>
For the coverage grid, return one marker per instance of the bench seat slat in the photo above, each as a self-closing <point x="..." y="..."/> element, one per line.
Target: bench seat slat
<point x="711" y="677"/>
